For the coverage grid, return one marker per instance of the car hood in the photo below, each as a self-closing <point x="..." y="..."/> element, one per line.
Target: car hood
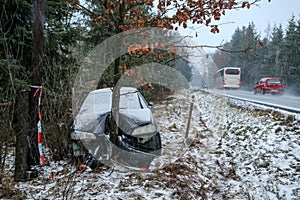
<point x="130" y="119"/>
<point x="96" y="123"/>
<point x="91" y="123"/>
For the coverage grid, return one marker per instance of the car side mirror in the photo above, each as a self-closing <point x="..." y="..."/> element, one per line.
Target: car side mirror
<point x="150" y="104"/>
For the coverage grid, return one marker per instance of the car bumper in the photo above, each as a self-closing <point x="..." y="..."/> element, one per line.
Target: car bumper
<point x="273" y="91"/>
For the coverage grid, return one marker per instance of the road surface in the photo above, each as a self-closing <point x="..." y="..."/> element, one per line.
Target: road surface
<point x="284" y="101"/>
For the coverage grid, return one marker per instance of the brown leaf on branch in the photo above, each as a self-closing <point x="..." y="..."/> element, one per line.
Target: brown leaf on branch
<point x="217" y="15"/>
<point x="101" y="18"/>
<point x="172" y="50"/>
<point x="214" y="29"/>
<point x="168" y="2"/>
<point x="244" y="4"/>
<point x="159" y="44"/>
<point x="149" y="2"/>
<point x="147" y="49"/>
<point x="134" y="49"/>
<point x="95" y="24"/>
<point x="207" y="22"/>
<point x="147" y="86"/>
<point x="131" y="15"/>
<point x="111" y="5"/>
<point x="160" y="56"/>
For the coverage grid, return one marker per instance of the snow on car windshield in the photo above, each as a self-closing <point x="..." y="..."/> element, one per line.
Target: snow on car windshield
<point x="97" y="102"/>
<point x="132" y="101"/>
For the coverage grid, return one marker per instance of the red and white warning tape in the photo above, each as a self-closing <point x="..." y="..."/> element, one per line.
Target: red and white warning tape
<point x="38" y="92"/>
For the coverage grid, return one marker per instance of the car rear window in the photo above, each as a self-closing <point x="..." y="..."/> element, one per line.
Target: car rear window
<point x="273" y="81"/>
<point x="232" y="71"/>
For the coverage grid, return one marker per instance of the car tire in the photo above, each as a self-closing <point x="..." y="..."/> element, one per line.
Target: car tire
<point x="262" y="91"/>
<point x="255" y="92"/>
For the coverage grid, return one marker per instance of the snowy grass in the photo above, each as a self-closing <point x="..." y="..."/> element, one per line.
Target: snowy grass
<point x="235" y="150"/>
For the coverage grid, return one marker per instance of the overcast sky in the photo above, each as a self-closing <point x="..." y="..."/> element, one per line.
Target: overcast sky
<point x="274" y="12"/>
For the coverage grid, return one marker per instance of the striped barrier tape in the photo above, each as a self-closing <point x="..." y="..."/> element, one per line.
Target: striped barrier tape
<point x="38" y="92"/>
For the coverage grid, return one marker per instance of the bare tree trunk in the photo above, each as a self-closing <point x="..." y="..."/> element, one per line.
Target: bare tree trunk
<point x="36" y="76"/>
<point x="27" y="115"/>
<point x="114" y="118"/>
<point x="38" y="42"/>
<point x="22" y="130"/>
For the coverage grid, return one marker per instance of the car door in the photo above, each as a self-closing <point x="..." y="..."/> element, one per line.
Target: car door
<point x="260" y="85"/>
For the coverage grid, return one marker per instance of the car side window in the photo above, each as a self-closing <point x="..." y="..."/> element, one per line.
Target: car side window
<point x="142" y="101"/>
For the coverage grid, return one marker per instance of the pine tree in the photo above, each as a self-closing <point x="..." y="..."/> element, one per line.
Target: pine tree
<point x="246" y="39"/>
<point x="295" y="71"/>
<point x="274" y="56"/>
<point x="290" y="49"/>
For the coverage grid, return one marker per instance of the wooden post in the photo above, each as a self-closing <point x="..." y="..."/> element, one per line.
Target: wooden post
<point x="190" y="117"/>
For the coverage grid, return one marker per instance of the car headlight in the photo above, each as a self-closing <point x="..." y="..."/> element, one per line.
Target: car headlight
<point x="145" y="130"/>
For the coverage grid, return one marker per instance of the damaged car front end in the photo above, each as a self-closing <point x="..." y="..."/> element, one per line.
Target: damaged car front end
<point x="136" y="138"/>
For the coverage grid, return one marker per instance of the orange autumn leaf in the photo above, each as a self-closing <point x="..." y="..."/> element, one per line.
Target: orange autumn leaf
<point x="207" y="22"/>
<point x="95" y="24"/>
<point x="172" y="50"/>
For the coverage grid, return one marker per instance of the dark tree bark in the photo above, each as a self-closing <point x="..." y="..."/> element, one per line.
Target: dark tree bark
<point x="38" y="42"/>
<point x="22" y="130"/>
<point x="27" y="102"/>
<point x="36" y="75"/>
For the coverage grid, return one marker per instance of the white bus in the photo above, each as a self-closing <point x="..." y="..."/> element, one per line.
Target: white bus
<point x="228" y="77"/>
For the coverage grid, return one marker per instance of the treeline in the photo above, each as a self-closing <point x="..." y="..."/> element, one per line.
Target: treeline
<point x="276" y="55"/>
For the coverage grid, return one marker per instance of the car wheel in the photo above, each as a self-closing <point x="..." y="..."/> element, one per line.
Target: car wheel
<point x="255" y="92"/>
<point x="262" y="91"/>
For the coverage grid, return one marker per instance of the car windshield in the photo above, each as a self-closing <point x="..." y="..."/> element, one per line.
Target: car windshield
<point x="273" y="81"/>
<point x="101" y="102"/>
<point x="97" y="103"/>
<point x="132" y="100"/>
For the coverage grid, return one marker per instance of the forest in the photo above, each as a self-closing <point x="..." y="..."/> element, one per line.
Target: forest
<point x="47" y="50"/>
<point x="275" y="55"/>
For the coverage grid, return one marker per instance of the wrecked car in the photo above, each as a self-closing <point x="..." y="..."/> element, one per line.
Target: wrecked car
<point x="137" y="137"/>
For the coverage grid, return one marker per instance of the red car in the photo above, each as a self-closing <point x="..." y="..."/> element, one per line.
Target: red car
<point x="269" y="85"/>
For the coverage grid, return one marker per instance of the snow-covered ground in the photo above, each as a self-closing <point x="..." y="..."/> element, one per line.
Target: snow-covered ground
<point x="234" y="150"/>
